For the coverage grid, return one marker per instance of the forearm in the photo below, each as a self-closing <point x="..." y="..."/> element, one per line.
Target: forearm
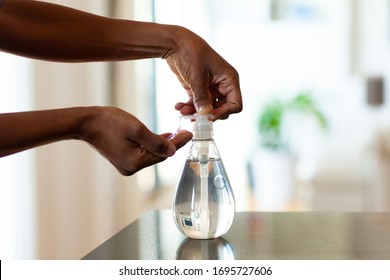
<point x="117" y="135"/>
<point x="51" y="32"/>
<point x="25" y="130"/>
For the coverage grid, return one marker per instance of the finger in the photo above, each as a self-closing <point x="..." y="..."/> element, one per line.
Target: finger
<point x="227" y="92"/>
<point x="185" y="109"/>
<point x="225" y="106"/>
<point x="153" y="143"/>
<point x="142" y="158"/>
<point x="134" y="159"/>
<point x="222" y="113"/>
<point x="180" y="139"/>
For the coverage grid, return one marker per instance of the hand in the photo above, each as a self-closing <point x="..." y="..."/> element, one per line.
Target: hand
<point x="211" y="83"/>
<point x="117" y="135"/>
<point x="126" y="142"/>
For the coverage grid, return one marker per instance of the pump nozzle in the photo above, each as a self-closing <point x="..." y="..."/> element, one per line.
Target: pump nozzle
<point x="202" y="126"/>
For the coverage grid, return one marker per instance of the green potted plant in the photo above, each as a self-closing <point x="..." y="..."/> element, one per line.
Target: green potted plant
<point x="273" y="166"/>
<point x="273" y="117"/>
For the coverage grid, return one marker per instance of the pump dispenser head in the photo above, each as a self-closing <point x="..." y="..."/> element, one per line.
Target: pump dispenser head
<point x="202" y="127"/>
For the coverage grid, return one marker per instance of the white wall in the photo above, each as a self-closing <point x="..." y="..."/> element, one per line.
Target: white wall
<point x="17" y="203"/>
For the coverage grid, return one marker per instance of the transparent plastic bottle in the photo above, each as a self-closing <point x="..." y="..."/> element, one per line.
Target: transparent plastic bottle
<point x="204" y="205"/>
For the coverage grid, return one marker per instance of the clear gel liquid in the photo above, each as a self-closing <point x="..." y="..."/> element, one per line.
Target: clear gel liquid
<point x="204" y="219"/>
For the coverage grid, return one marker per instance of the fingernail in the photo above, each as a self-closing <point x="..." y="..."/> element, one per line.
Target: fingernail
<point x="205" y="109"/>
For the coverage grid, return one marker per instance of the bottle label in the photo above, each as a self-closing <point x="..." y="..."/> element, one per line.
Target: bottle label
<point x="189" y="222"/>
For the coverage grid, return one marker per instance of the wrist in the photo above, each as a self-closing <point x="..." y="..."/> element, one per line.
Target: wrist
<point x="139" y="40"/>
<point x="181" y="38"/>
<point x="87" y="122"/>
<point x="177" y="36"/>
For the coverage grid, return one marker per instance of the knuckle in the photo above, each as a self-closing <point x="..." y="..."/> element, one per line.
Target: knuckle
<point x="126" y="173"/>
<point x="138" y="130"/>
<point x="239" y="108"/>
<point x="125" y="170"/>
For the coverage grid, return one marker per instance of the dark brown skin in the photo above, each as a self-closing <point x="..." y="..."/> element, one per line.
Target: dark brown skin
<point x="117" y="135"/>
<point x="45" y="31"/>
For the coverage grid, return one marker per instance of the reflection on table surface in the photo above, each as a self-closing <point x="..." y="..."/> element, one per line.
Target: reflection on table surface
<point x="214" y="249"/>
<point x="256" y="235"/>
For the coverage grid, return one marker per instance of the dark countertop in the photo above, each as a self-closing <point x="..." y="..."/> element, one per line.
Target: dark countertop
<point x="257" y="235"/>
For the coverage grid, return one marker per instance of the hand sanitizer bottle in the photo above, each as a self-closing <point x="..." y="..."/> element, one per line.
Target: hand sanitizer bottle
<point x="204" y="205"/>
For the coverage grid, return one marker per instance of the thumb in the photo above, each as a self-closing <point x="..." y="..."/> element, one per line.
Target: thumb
<point x="201" y="97"/>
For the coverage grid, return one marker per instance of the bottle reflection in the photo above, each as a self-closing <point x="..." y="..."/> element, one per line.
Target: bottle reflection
<point x="210" y="249"/>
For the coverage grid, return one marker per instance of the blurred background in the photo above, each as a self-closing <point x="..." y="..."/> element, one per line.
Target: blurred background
<point x="314" y="134"/>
